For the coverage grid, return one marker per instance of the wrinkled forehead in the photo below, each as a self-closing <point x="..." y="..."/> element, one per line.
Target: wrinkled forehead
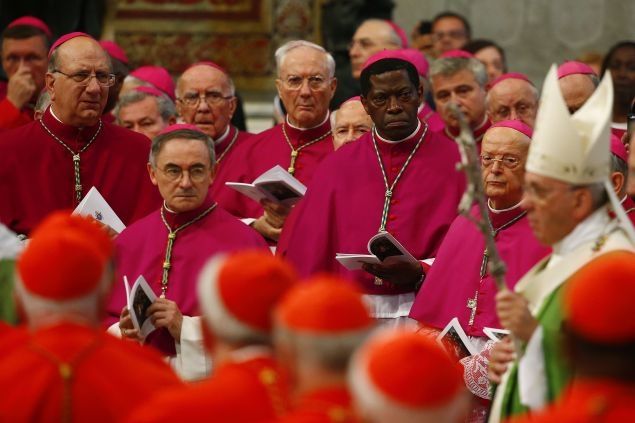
<point x="373" y="30"/>
<point x="351" y="112"/>
<point x="505" y="140"/>
<point x="304" y="61"/>
<point x="203" y="78"/>
<point x="83" y="52"/>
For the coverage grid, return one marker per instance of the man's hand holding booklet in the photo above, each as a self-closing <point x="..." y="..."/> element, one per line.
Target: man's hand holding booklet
<point x="139" y="298"/>
<point x="276" y="185"/>
<point x="383" y="249"/>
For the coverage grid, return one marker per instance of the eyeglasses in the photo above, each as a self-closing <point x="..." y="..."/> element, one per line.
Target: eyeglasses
<point x="455" y="35"/>
<point x="510" y="162"/>
<point x="197" y="174"/>
<point x="212" y="98"/>
<point x="104" y="79"/>
<point x="294" y="82"/>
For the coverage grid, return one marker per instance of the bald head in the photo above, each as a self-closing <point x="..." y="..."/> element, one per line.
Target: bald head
<point x="75" y="100"/>
<point x="372" y="36"/>
<point x="349" y="123"/>
<point x="512" y="99"/>
<point x="212" y="115"/>
<point x="576" y="90"/>
<point x="504" y="153"/>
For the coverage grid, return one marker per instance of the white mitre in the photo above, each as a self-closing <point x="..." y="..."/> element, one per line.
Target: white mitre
<point x="572" y="148"/>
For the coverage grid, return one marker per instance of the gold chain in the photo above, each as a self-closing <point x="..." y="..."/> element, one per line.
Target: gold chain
<point x="294" y="152"/>
<point x="76" y="157"/>
<point x="171" y="239"/>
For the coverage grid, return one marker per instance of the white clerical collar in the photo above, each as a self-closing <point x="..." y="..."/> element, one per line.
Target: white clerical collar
<point x="420" y="108"/>
<point x="165" y="206"/>
<point x="624" y="199"/>
<point x="482" y="124"/>
<point x="589" y="230"/>
<point x="222" y="137"/>
<point x="54" y="115"/>
<point x="619" y="125"/>
<point x="308" y="129"/>
<point x="401" y="140"/>
<point x="498" y="211"/>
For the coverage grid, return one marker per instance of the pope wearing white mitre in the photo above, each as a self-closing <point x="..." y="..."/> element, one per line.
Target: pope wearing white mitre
<point x="570" y="206"/>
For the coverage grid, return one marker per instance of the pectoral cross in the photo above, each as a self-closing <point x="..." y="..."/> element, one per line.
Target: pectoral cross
<point x="294" y="156"/>
<point x="484" y="263"/>
<point x="472" y="303"/>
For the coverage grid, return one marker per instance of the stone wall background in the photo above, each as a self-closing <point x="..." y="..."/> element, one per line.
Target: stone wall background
<point x="534" y="33"/>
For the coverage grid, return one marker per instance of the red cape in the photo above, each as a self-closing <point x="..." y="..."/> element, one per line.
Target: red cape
<point x="110" y="376"/>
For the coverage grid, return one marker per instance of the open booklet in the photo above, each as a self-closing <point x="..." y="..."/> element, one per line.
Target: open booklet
<point x="454" y="339"/>
<point x="94" y="204"/>
<point x="276" y="185"/>
<point x="139" y="298"/>
<point x="383" y="248"/>
<point x="495" y="334"/>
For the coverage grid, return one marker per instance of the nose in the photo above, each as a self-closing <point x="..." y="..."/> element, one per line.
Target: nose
<point x="202" y="104"/>
<point x="305" y="90"/>
<point x="393" y="105"/>
<point x="497" y="166"/>
<point x="185" y="181"/>
<point x="354" y="50"/>
<point x="350" y="135"/>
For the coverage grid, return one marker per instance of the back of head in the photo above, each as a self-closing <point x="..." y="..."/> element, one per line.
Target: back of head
<point x="598" y="309"/>
<point x="237" y="295"/>
<point x="400" y="376"/>
<point x="322" y="321"/>
<point x="64" y="272"/>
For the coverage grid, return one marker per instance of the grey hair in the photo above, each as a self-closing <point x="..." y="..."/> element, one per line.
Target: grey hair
<point x="230" y="84"/>
<point x="283" y="50"/>
<point x="189" y="134"/>
<point x="332" y="352"/>
<point x="448" y="66"/>
<point x="43" y="101"/>
<point x="599" y="197"/>
<point x="166" y="106"/>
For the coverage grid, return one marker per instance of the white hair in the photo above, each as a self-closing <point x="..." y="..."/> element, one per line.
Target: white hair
<point x="42" y="311"/>
<point x="448" y="66"/>
<point x="216" y="316"/>
<point x="378" y="407"/>
<point x="283" y="50"/>
<point x="330" y="351"/>
<point x="166" y="106"/>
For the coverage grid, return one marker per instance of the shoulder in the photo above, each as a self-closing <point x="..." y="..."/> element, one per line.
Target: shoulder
<point x="16" y="137"/>
<point x="125" y="137"/>
<point x="138" y="229"/>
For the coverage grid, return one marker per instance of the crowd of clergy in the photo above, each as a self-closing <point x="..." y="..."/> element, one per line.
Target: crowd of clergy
<point x="513" y="201"/>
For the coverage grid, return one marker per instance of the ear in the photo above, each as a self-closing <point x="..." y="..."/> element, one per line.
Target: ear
<point x="618" y="180"/>
<point x="279" y="87"/>
<point x="364" y="103"/>
<point x="171" y="120"/>
<point x="152" y="173"/>
<point x="233" y="102"/>
<point x="213" y="174"/>
<point x="333" y="87"/>
<point x="49" y="81"/>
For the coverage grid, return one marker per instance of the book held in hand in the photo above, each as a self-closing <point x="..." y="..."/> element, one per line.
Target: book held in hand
<point x="454" y="339"/>
<point x="495" y="334"/>
<point x="383" y="248"/>
<point x="94" y="204"/>
<point x="139" y="298"/>
<point x="276" y="185"/>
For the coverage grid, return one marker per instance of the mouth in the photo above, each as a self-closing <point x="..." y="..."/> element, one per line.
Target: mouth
<point x="397" y="124"/>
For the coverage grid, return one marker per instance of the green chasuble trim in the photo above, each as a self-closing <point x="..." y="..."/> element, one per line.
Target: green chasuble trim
<point x="7" y="306"/>
<point x="557" y="367"/>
